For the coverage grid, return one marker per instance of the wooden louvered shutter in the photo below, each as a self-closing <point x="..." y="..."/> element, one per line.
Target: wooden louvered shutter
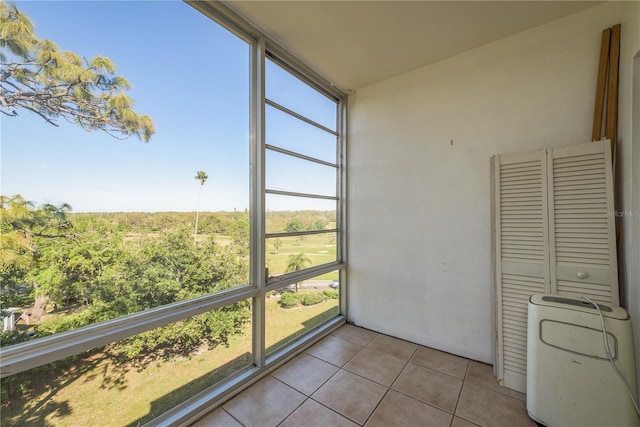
<point x="521" y="269"/>
<point x="554" y="232"/>
<point x="582" y="227"/>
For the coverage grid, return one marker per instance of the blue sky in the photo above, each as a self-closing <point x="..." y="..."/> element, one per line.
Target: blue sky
<point x="189" y="74"/>
<point x="192" y="77"/>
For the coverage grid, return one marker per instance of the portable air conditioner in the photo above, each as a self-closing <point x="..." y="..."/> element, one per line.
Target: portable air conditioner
<point x="570" y="381"/>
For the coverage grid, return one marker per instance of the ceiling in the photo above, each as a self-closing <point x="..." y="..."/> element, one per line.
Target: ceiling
<point x="356" y="43"/>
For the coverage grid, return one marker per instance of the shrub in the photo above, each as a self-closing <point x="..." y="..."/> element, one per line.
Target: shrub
<point x="288" y="300"/>
<point x="311" y="299"/>
<point x="330" y="293"/>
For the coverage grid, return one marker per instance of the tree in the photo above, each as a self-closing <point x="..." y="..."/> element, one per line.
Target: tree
<point x="319" y="224"/>
<point x="297" y="262"/>
<point x="202" y="177"/>
<point x="295" y="225"/>
<point x="23" y="229"/>
<point x="35" y="75"/>
<point x="22" y="224"/>
<point x="277" y="245"/>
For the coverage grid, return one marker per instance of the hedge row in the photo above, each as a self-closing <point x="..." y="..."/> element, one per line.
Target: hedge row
<point x="290" y="299"/>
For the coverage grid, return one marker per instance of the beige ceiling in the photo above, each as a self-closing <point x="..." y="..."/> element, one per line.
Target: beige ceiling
<point x="357" y="43"/>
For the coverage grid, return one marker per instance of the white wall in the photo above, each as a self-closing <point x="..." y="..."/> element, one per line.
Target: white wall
<point x="419" y="182"/>
<point x="628" y="174"/>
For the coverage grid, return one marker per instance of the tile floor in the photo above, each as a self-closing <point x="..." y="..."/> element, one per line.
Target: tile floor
<point x="357" y="377"/>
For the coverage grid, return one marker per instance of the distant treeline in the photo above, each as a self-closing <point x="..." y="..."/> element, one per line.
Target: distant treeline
<point x="224" y="223"/>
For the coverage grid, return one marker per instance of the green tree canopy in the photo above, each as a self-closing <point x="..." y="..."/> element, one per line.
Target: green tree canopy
<point x="297" y="262"/>
<point x="22" y="223"/>
<point x="202" y="177"/>
<point x="295" y="225"/>
<point x="35" y="75"/>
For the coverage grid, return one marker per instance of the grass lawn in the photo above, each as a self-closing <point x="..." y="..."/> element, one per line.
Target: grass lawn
<point x="318" y="248"/>
<point x="101" y="392"/>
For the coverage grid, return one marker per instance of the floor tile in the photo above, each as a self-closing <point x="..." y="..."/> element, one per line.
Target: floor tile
<point x="459" y="422"/>
<point x="375" y="366"/>
<point x="313" y="414"/>
<point x="432" y="387"/>
<point x="356" y="376"/>
<point x="441" y="362"/>
<point x="305" y="373"/>
<point x="334" y="350"/>
<point x="491" y="409"/>
<point x="218" y="418"/>
<point x="354" y="334"/>
<point x="264" y="404"/>
<point x="393" y="346"/>
<point x="396" y="409"/>
<point x="482" y="375"/>
<point x="350" y="395"/>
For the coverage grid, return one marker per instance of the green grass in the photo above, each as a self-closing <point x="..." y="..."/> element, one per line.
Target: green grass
<point x="318" y="248"/>
<point x="101" y="392"/>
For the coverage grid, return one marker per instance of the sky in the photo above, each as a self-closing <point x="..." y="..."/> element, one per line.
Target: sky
<point x="192" y="77"/>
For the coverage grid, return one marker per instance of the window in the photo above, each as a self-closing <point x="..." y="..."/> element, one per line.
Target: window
<point x="159" y="277"/>
<point x="138" y="218"/>
<point x="302" y="174"/>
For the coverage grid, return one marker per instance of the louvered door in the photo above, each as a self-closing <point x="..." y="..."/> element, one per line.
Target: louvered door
<point x="553" y="233"/>
<point x="520" y="218"/>
<point x="582" y="227"/>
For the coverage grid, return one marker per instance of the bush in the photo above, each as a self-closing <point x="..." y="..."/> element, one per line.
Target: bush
<point x="330" y="293"/>
<point x="288" y="300"/>
<point x="311" y="299"/>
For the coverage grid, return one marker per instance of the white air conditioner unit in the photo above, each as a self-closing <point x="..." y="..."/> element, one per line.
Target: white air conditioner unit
<point x="570" y="381"/>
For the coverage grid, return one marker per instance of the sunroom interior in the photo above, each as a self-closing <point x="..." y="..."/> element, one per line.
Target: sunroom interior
<point x="434" y="90"/>
<point x="427" y="92"/>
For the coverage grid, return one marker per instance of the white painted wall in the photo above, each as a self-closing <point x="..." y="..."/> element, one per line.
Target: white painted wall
<point x="419" y="183"/>
<point x="628" y="159"/>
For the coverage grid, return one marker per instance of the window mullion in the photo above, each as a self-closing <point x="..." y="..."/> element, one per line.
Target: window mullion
<point x="258" y="274"/>
<point x="341" y="188"/>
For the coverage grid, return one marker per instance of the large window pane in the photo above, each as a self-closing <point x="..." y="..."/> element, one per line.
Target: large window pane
<point x="135" y="380"/>
<point x="293" y="214"/>
<point x="289" y="173"/>
<point x="309" y="221"/>
<point x="130" y="225"/>
<point x="293" y="134"/>
<point x="295" y="310"/>
<point x="288" y="254"/>
<point x="290" y="92"/>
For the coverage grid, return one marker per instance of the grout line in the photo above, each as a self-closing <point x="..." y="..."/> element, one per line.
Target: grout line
<point x="297" y="391"/>
<point x="464" y="380"/>
<point x="334" y="411"/>
<point x="317" y="388"/>
<point x="392" y="383"/>
<point x="343" y="340"/>
<point x="470" y="422"/>
<point x="324" y="382"/>
<point x="376" y="407"/>
<point x="500" y="390"/>
<point x="229" y="413"/>
<point x="296" y="408"/>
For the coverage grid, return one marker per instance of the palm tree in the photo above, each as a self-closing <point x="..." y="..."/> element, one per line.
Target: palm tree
<point x="297" y="262"/>
<point x="202" y="177"/>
